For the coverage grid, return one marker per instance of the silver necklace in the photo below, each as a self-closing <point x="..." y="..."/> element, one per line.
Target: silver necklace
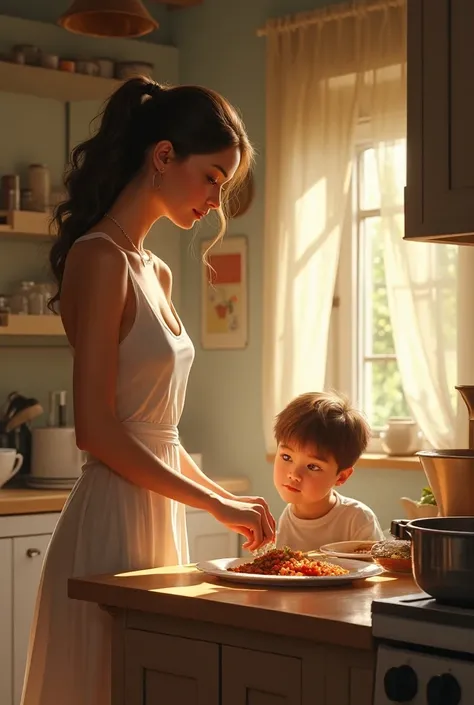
<point x="144" y="256"/>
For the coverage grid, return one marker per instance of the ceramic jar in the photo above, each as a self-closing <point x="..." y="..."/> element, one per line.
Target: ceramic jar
<point x="401" y="436"/>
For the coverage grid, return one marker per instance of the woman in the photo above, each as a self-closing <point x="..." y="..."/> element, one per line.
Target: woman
<point x="173" y="152"/>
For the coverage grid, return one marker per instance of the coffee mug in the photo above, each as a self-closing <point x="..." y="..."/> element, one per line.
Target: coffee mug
<point x="10" y="463"/>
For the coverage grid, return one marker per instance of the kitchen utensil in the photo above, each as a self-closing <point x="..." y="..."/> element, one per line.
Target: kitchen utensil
<point x="10" y="463"/>
<point x="467" y="393"/>
<point x="443" y="558"/>
<point x="357" y="571"/>
<point x="450" y="474"/>
<point x="20" y="410"/>
<point x="57" y="408"/>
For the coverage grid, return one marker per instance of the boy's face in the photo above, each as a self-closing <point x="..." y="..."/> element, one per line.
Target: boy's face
<point x="302" y="475"/>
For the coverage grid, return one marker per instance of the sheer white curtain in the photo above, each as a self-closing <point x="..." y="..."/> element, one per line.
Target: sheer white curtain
<point x="421" y="277"/>
<point x="316" y="69"/>
<point x="310" y="123"/>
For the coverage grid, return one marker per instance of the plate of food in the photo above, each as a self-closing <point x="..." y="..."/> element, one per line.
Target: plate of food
<point x="355" y="550"/>
<point x="284" y="567"/>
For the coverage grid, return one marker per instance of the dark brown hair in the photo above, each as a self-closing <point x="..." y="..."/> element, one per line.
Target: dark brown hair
<point x="138" y="115"/>
<point x="326" y="421"/>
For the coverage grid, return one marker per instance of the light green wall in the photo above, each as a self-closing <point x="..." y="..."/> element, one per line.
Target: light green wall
<point x="223" y="416"/>
<point x="33" y="130"/>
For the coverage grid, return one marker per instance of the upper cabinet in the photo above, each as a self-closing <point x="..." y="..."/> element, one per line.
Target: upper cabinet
<point x="439" y="195"/>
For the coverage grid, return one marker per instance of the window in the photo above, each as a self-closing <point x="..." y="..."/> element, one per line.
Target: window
<point x="362" y="360"/>
<point x="379" y="388"/>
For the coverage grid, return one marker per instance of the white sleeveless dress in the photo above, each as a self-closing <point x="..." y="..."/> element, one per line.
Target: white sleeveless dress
<point x="108" y="524"/>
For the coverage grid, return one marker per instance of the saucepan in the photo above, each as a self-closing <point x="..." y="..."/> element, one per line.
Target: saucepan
<point x="443" y="558"/>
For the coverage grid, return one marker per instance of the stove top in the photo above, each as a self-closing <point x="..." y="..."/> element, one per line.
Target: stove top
<point x="425" y="651"/>
<point x="423" y="608"/>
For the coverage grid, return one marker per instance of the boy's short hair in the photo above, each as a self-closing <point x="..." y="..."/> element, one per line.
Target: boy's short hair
<point x="326" y="421"/>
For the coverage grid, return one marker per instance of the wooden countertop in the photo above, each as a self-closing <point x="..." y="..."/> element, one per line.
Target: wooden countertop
<point x="339" y="616"/>
<point x="25" y="501"/>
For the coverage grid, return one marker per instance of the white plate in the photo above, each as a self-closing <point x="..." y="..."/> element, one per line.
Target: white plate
<point x="345" y="549"/>
<point x="357" y="571"/>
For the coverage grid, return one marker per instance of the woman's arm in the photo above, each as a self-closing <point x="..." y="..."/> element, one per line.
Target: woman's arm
<point x="193" y="472"/>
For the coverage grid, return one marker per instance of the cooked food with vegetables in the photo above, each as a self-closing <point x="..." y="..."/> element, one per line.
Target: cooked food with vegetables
<point x="393" y="555"/>
<point x="284" y="561"/>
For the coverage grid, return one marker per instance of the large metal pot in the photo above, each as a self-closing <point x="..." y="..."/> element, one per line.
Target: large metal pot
<point x="443" y="558"/>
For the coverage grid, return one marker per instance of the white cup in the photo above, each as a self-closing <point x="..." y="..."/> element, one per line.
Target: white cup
<point x="10" y="463"/>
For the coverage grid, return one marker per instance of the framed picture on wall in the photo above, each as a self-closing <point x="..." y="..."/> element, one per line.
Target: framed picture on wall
<point x="224" y="305"/>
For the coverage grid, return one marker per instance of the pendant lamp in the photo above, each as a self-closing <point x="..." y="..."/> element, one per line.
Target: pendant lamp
<point x="108" y="18"/>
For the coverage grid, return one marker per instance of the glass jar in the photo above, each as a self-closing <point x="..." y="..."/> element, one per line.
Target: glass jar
<point x="36" y="300"/>
<point x="20" y="299"/>
<point x="4" y="309"/>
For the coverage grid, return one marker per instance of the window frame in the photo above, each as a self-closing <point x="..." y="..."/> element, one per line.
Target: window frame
<point x="345" y="372"/>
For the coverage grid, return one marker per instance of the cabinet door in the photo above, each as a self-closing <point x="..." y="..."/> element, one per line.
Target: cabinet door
<point x="161" y="670"/>
<point x="439" y="197"/>
<point x="6" y="621"/>
<point x="209" y="539"/>
<point x="258" y="678"/>
<point x="28" y="556"/>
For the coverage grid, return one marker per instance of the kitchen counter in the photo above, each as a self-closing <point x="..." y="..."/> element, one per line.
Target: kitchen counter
<point x="180" y="636"/>
<point x="339" y="616"/>
<point x="25" y="501"/>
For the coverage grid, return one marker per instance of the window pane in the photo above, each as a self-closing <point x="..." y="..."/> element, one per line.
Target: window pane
<point x="383" y="394"/>
<point x="378" y="336"/>
<point x="369" y="181"/>
<point x="391" y="153"/>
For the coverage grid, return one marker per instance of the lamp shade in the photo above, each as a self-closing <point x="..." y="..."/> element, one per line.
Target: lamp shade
<point x="108" y="18"/>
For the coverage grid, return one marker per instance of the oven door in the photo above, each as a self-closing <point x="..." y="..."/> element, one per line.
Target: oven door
<point x="405" y="675"/>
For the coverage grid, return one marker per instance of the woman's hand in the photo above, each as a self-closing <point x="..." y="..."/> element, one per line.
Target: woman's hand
<point x="251" y="519"/>
<point x="264" y="504"/>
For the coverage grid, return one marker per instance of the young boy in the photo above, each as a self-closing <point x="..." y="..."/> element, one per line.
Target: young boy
<point x="320" y="437"/>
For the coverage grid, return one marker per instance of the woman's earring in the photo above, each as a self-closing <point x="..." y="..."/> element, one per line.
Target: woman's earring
<point x="160" y="172"/>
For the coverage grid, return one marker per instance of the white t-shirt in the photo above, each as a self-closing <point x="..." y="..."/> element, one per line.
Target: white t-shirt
<point x="347" y="520"/>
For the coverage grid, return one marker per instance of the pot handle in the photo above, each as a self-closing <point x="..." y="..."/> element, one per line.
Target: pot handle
<point x="398" y="528"/>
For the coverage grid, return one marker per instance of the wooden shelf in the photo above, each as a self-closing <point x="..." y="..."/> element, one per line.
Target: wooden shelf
<point x="30" y="223"/>
<point x="52" y="83"/>
<point x="381" y="462"/>
<point x="33" y="325"/>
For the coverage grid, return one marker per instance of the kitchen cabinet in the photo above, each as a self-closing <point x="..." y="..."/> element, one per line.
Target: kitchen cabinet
<point x="6" y="621"/>
<point x="439" y="195"/>
<point x="159" y="660"/>
<point x="28" y="556"/>
<point x="23" y="544"/>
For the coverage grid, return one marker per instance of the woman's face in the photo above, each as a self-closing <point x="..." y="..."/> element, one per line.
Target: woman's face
<point x="188" y="189"/>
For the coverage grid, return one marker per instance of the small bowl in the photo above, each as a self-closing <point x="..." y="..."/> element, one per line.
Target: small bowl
<point x="393" y="555"/>
<point x="394" y="565"/>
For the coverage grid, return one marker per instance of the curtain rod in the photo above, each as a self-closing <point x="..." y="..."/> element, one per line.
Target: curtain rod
<point x="327" y="14"/>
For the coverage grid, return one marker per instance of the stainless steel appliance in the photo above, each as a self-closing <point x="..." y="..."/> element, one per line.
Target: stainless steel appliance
<point x="425" y="652"/>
